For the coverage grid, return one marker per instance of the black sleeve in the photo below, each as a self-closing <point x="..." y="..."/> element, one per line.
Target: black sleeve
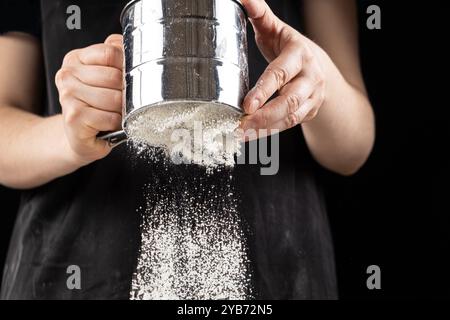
<point x="20" y="15"/>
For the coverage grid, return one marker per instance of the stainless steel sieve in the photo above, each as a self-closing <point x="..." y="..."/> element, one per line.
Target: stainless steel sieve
<point x="192" y="51"/>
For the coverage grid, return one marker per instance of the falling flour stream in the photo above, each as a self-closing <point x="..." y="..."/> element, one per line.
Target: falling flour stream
<point x="192" y="240"/>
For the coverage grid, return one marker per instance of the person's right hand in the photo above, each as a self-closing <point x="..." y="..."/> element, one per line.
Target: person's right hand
<point x="90" y="85"/>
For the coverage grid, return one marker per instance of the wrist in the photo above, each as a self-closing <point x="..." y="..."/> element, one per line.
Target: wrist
<point x="335" y="84"/>
<point x="66" y="156"/>
<point x="83" y="154"/>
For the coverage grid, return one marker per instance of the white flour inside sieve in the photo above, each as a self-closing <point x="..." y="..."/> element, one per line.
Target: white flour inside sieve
<point x="197" y="133"/>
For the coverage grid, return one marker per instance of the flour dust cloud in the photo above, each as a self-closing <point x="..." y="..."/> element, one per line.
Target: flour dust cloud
<point x="192" y="241"/>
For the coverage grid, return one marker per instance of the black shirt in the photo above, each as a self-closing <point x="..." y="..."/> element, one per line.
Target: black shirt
<point x="89" y="218"/>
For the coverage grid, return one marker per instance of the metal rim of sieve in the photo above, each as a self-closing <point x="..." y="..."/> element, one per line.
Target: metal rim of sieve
<point x="132" y="2"/>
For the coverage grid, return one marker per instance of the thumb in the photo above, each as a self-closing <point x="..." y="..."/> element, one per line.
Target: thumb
<point x="115" y="40"/>
<point x="261" y="16"/>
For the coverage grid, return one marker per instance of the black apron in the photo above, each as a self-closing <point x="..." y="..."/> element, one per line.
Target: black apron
<point x="90" y="219"/>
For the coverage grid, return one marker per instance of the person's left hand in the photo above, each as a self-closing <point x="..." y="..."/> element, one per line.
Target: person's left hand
<point x="294" y="71"/>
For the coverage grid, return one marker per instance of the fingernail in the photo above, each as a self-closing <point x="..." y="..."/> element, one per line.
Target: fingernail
<point x="243" y="125"/>
<point x="246" y="125"/>
<point x="254" y="105"/>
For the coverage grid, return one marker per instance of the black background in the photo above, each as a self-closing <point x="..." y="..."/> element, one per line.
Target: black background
<point x="394" y="213"/>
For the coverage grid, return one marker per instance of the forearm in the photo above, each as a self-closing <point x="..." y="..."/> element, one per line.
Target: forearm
<point x="342" y="135"/>
<point x="34" y="150"/>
